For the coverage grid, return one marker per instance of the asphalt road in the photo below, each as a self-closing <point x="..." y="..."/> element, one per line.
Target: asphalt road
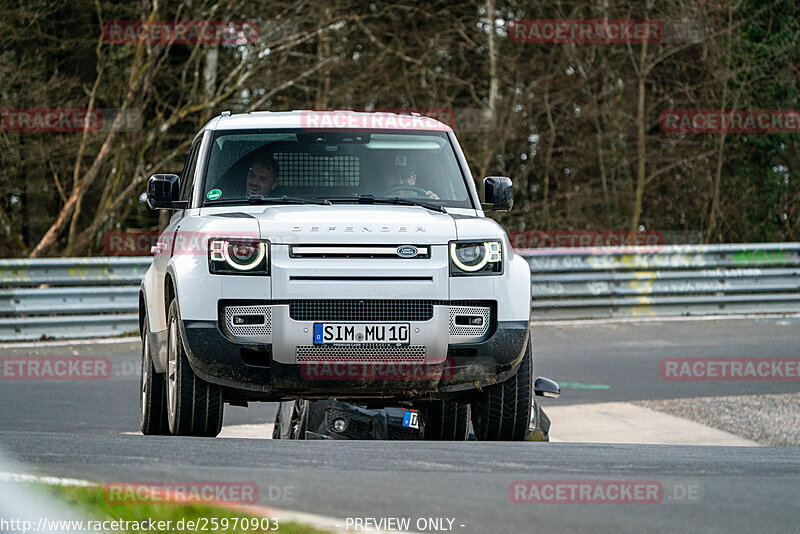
<point x="77" y="429"/>
<point x="626" y="356"/>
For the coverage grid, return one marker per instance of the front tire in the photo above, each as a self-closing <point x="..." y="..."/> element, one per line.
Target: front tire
<point x="291" y="421"/>
<point x="194" y="406"/>
<point x="445" y="421"/>
<point x="152" y="394"/>
<point x="503" y="412"/>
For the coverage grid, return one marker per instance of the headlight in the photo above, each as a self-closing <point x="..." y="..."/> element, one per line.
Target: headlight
<point x="238" y="256"/>
<point x="483" y="257"/>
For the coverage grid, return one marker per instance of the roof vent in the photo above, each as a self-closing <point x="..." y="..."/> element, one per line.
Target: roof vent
<point x="226" y="113"/>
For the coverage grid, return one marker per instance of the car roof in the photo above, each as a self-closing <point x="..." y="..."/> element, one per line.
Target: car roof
<point x="327" y="120"/>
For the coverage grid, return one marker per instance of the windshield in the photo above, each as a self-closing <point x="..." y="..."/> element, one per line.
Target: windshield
<point x="336" y="164"/>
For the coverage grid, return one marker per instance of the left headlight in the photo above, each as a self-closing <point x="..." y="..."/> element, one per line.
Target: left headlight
<point x="481" y="257"/>
<point x="238" y="256"/>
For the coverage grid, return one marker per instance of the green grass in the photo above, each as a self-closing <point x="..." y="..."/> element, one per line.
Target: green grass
<point x="92" y="504"/>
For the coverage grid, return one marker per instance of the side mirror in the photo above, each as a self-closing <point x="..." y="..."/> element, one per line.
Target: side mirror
<point x="498" y="193"/>
<point x="163" y="192"/>
<point x="544" y="387"/>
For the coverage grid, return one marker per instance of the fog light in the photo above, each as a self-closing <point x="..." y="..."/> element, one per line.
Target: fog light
<point x="339" y="425"/>
<point x="248" y="319"/>
<point x="469" y="320"/>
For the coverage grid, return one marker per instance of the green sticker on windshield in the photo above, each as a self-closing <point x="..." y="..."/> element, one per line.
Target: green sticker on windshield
<point x="214" y="194"/>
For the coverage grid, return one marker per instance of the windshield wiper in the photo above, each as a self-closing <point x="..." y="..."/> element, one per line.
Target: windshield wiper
<point x="259" y="199"/>
<point x="370" y="199"/>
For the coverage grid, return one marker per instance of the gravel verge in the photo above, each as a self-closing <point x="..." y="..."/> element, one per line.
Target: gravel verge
<point x="768" y="419"/>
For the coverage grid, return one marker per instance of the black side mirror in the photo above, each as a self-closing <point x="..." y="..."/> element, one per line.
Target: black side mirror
<point x="544" y="387"/>
<point x="498" y="193"/>
<point x="163" y="192"/>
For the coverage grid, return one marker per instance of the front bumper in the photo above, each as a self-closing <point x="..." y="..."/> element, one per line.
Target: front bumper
<point x="249" y="373"/>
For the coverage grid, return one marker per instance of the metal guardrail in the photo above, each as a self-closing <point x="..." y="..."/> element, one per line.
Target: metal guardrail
<point x="671" y="280"/>
<point x="95" y="297"/>
<point x="70" y="297"/>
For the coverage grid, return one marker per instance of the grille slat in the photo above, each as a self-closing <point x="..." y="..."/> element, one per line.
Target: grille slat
<point x="356" y="251"/>
<point x="400" y="432"/>
<point x="358" y="427"/>
<point x="361" y="310"/>
<point x="361" y="353"/>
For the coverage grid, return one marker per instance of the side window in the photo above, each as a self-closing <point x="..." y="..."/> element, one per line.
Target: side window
<point x="188" y="171"/>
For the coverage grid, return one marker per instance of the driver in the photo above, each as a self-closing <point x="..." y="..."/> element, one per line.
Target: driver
<point x="262" y="176"/>
<point x="407" y="183"/>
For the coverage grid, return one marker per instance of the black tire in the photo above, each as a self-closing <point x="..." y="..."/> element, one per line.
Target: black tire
<point x="283" y="421"/>
<point x="299" y="419"/>
<point x="152" y="394"/>
<point x="540" y="424"/>
<point x="291" y="421"/>
<point x="503" y="412"/>
<point x="194" y="407"/>
<point x="445" y="421"/>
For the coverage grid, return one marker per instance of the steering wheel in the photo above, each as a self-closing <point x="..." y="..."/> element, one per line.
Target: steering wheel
<point x="420" y="192"/>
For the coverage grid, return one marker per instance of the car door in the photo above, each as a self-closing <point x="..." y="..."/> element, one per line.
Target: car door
<point x="165" y="246"/>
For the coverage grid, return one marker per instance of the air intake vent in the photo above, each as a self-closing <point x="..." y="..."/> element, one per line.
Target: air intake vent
<point x="361" y="310"/>
<point x="360" y="251"/>
<point x="361" y="353"/>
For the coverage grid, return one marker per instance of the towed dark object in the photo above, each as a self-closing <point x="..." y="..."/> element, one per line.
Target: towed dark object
<point x="334" y="419"/>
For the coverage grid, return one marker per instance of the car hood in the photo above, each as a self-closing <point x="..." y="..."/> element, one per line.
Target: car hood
<point x="345" y="223"/>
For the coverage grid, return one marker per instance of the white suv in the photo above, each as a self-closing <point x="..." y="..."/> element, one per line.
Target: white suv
<point x="334" y="254"/>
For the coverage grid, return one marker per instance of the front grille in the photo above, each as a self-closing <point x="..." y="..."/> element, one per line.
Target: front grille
<point x="361" y="310"/>
<point x="358" y="251"/>
<point x="402" y="432"/>
<point x="356" y="427"/>
<point x="367" y="353"/>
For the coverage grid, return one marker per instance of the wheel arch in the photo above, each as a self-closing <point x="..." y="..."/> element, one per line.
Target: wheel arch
<point x="169" y="290"/>
<point x="142" y="312"/>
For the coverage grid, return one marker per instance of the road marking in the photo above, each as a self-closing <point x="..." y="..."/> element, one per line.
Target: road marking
<point x="320" y="522"/>
<point x="259" y="431"/>
<point x="53" y="481"/>
<point x="621" y="422"/>
<point x="578" y="385"/>
<point x="256" y="431"/>
<point x="565" y="322"/>
<point x="69" y="342"/>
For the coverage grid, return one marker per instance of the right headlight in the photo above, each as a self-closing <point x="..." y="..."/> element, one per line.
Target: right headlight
<point x="476" y="257"/>
<point x="238" y="256"/>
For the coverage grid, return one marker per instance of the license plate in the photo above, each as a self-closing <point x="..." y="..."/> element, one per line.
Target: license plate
<point x="361" y="333"/>
<point x="411" y="420"/>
